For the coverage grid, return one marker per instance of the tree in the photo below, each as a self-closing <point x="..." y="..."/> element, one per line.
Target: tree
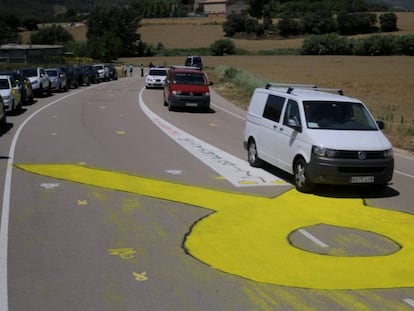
<point x="257" y="8"/>
<point x="223" y="47"/>
<point x="388" y="22"/>
<point x="318" y="22"/>
<point x="112" y="32"/>
<point x="54" y="34"/>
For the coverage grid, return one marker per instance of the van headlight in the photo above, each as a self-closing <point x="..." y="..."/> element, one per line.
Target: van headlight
<point x="388" y="154"/>
<point x="323" y="152"/>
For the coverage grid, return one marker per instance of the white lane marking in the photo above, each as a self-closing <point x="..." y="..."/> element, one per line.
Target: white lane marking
<point x="409" y="302"/>
<point x="404" y="174"/>
<point x="49" y="185"/>
<point x="174" y="172"/>
<point x="313" y="238"/>
<point x="5" y="213"/>
<point x="236" y="171"/>
<point x="229" y="112"/>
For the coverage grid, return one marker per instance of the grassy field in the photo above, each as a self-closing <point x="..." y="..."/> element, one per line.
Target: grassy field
<point x="385" y="84"/>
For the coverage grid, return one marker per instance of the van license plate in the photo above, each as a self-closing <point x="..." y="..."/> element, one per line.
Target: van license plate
<point x="191" y="104"/>
<point x="362" y="179"/>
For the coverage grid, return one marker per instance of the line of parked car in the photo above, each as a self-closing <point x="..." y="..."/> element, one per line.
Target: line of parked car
<point x="19" y="87"/>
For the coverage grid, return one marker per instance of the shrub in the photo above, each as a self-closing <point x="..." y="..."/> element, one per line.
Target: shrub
<point x="405" y="45"/>
<point x="223" y="47"/>
<point x="328" y="44"/>
<point x="375" y="45"/>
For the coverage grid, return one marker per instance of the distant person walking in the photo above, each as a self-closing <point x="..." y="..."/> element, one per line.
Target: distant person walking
<point x="130" y="69"/>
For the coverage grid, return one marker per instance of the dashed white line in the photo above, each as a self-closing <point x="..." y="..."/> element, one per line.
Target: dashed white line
<point x="313" y="238"/>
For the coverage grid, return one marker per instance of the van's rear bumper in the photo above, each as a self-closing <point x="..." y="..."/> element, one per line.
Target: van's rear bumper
<point x="350" y="171"/>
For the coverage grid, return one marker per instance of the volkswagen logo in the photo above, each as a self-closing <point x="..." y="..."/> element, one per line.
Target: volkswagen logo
<point x="362" y="155"/>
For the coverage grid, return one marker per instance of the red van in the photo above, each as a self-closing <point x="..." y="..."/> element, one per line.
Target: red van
<point x="186" y="87"/>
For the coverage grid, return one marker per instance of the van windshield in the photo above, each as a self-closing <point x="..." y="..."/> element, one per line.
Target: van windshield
<point x="189" y="78"/>
<point x="329" y="115"/>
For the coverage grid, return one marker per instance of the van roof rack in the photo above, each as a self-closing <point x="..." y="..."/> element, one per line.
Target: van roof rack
<point x="184" y="67"/>
<point x="292" y="86"/>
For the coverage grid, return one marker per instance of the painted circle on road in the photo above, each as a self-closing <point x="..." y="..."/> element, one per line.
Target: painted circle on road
<point x="248" y="235"/>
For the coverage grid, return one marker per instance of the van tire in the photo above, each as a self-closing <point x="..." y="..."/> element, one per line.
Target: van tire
<point x="252" y="154"/>
<point x="301" y="178"/>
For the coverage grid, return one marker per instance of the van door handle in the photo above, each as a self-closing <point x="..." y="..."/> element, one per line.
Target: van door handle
<point x="275" y="127"/>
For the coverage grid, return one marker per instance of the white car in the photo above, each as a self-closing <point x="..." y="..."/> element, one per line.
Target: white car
<point x="103" y="72"/>
<point x="10" y="93"/>
<point x="156" y="77"/>
<point x="317" y="136"/>
<point x="39" y="79"/>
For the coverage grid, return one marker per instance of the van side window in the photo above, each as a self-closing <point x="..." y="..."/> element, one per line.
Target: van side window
<point x="292" y="112"/>
<point x="273" y="108"/>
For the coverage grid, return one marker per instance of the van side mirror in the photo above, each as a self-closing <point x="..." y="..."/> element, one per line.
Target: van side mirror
<point x="380" y="124"/>
<point x="211" y="83"/>
<point x="294" y="124"/>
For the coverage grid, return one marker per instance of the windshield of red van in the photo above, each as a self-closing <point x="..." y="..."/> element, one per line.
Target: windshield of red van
<point x="329" y="115"/>
<point x="189" y="78"/>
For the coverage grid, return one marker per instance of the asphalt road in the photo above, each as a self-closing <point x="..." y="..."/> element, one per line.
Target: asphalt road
<point x="112" y="202"/>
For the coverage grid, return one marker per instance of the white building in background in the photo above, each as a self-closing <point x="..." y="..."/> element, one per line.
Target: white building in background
<point x="222" y="7"/>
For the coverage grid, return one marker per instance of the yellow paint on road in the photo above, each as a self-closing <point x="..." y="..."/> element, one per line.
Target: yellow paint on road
<point x="123" y="253"/>
<point x="248" y="235"/>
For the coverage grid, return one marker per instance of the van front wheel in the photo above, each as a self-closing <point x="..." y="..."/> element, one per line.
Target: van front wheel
<point x="252" y="156"/>
<point x="300" y="174"/>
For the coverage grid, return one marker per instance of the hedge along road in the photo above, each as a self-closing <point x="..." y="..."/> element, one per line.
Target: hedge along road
<point x="253" y="236"/>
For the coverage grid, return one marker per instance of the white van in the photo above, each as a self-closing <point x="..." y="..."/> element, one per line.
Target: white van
<point x="318" y="135"/>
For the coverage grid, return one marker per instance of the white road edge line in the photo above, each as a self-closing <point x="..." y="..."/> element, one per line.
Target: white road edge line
<point x="409" y="302"/>
<point x="313" y="238"/>
<point x="5" y="212"/>
<point x="238" y="172"/>
<point x="404" y="174"/>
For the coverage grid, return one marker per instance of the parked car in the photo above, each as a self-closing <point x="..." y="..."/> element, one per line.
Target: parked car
<point x="186" y="87"/>
<point x="91" y="72"/>
<point x="81" y="76"/>
<point x="317" y="136"/>
<point x="103" y="72"/>
<point x="39" y="79"/>
<point x="58" y="79"/>
<point x="24" y="85"/>
<point x="155" y="78"/>
<point x="3" y="116"/>
<point x="71" y="78"/>
<point x="10" y="93"/>
<point x="112" y="72"/>
<point x="194" y="61"/>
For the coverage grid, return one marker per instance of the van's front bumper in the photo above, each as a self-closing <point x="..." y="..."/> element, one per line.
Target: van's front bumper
<point x="350" y="171"/>
<point x="189" y="101"/>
